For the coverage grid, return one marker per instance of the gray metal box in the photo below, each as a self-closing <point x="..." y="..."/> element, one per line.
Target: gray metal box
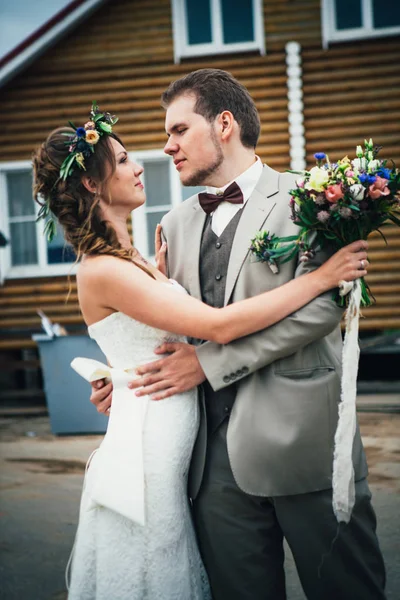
<point x="67" y="394"/>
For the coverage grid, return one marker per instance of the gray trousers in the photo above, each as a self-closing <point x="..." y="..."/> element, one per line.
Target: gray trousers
<point x="241" y="539"/>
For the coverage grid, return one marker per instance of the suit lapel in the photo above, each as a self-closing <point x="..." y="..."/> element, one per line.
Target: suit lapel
<point x="193" y="232"/>
<point x="259" y="207"/>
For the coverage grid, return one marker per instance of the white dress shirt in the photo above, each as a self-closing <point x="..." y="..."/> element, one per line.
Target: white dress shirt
<point x="225" y="211"/>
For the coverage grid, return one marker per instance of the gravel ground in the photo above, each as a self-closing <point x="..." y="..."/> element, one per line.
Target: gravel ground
<point x="40" y="483"/>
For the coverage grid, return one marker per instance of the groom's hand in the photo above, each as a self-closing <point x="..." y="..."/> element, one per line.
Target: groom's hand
<point x="174" y="374"/>
<point x="101" y="395"/>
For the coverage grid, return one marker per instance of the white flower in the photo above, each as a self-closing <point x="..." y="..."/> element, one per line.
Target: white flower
<point x="318" y="179"/>
<point x="359" y="164"/>
<point x="373" y="165"/>
<point x="359" y="151"/>
<point x="357" y="191"/>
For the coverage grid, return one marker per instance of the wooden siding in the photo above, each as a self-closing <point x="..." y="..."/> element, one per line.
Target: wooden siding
<point x="123" y="57"/>
<point x="359" y="97"/>
<point x="21" y="299"/>
<point x="20" y="374"/>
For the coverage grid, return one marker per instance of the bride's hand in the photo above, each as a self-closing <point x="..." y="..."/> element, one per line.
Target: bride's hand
<point x="161" y="251"/>
<point x="346" y="264"/>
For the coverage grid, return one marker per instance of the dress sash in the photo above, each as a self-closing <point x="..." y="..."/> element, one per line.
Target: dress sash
<point x="116" y="480"/>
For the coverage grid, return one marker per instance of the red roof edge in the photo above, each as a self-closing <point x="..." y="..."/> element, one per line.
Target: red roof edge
<point x="41" y="31"/>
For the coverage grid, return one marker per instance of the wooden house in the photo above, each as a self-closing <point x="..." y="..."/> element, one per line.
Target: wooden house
<point x="324" y="75"/>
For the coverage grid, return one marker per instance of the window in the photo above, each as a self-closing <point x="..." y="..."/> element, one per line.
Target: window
<point x="163" y="191"/>
<point x="344" y="20"/>
<point x="217" y="27"/>
<point x="28" y="253"/>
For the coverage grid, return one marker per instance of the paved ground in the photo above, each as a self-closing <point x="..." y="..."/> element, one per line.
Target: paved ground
<point x="40" y="483"/>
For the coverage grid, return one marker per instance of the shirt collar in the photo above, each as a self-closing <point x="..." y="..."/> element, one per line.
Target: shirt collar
<point x="246" y="181"/>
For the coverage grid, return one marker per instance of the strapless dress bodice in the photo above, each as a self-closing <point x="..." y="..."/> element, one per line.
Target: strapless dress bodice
<point x="126" y="342"/>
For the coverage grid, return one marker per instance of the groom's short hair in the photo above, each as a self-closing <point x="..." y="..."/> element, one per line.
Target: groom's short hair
<point x="215" y="91"/>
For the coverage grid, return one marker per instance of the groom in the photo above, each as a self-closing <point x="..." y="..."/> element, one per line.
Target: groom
<point x="262" y="465"/>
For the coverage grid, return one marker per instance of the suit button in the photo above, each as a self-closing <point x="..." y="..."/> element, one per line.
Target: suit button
<point x="218" y="277"/>
<point x="218" y="245"/>
<point x="233" y="375"/>
<point x="226" y="379"/>
<point x="245" y="370"/>
<point x="226" y="409"/>
<point x="239" y="372"/>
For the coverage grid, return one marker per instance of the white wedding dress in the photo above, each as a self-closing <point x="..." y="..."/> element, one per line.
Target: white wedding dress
<point x="115" y="558"/>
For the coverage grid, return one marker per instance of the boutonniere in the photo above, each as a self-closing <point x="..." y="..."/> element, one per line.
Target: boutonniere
<point x="271" y="249"/>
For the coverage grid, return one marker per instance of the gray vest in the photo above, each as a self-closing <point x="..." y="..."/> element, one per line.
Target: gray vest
<point x="214" y="259"/>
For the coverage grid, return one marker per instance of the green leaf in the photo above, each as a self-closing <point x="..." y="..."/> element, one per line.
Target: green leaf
<point x="105" y="127"/>
<point x="43" y="212"/>
<point x="289" y="238"/>
<point x="66" y="167"/>
<point x="290" y="256"/>
<point x="50" y="229"/>
<point x="395" y="219"/>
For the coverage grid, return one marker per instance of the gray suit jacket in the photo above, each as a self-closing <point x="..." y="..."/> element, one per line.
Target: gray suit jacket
<point x="281" y="430"/>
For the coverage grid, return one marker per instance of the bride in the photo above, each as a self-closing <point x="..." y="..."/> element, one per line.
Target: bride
<point x="86" y="179"/>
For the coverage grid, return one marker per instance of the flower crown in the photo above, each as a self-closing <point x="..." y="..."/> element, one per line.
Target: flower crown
<point x="80" y="146"/>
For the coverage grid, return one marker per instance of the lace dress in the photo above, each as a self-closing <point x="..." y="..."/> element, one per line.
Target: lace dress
<point x="115" y="558"/>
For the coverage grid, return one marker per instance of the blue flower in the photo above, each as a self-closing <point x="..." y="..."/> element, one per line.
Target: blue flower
<point x="266" y="254"/>
<point x="367" y="179"/>
<point x="319" y="155"/>
<point x="81" y="145"/>
<point x="384" y="172"/>
<point x="81" y="132"/>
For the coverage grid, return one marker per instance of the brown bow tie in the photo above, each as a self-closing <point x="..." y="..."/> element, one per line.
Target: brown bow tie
<point x="209" y="202"/>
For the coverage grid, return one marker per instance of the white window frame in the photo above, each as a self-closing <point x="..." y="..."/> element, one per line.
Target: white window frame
<point x="42" y="268"/>
<point x="182" y="48"/>
<point x="330" y="33"/>
<point x="139" y="224"/>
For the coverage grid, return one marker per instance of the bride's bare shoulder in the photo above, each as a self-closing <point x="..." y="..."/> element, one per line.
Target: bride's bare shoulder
<point x="101" y="268"/>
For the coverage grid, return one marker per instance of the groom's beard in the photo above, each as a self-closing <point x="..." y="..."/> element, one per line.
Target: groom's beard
<point x="201" y="176"/>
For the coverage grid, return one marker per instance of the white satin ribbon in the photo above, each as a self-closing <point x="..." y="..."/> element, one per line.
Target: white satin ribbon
<point x="343" y="470"/>
<point x="117" y="469"/>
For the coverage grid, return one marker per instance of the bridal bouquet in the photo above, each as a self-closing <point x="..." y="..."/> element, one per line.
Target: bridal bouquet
<point x="336" y="204"/>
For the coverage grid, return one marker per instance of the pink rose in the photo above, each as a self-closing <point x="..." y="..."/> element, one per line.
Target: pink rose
<point x="300" y="183"/>
<point x="349" y="173"/>
<point x="379" y="188"/>
<point x="334" y="192"/>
